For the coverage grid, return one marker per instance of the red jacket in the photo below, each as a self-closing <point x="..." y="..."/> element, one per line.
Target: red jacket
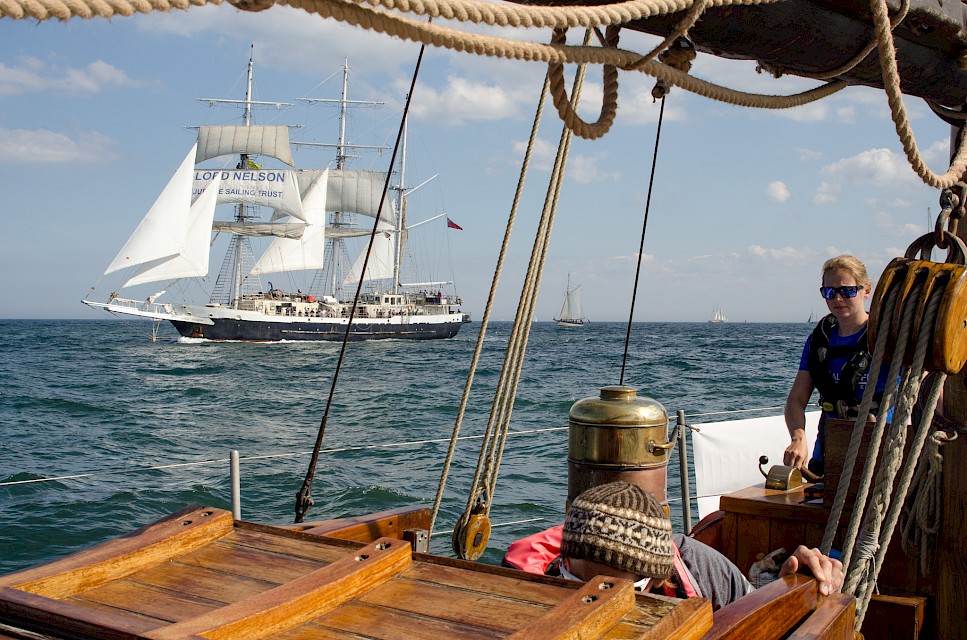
<point x="536" y="553"/>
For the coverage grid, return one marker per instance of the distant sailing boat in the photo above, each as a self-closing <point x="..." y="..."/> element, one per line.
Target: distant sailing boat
<point x="812" y="317"/>
<point x="718" y="315"/>
<point x="570" y="315"/>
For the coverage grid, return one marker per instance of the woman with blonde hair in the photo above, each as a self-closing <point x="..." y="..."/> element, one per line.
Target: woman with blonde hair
<point x="835" y="360"/>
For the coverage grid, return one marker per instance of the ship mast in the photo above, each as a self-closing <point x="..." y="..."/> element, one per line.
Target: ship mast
<point x="240" y="214"/>
<point x="233" y="278"/>
<point x="328" y="280"/>
<point x="401" y="218"/>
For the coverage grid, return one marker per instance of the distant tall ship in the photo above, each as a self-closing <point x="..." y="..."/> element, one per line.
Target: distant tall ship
<point x="570" y="315"/>
<point x="308" y="213"/>
<point x="718" y="315"/>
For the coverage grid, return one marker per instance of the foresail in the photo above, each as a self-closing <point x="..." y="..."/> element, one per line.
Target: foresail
<point x="293" y="230"/>
<point x="360" y="192"/>
<point x="192" y="260"/>
<point x="161" y="233"/>
<point x="251" y="140"/>
<point x="565" y="313"/>
<point x="380" y="266"/>
<point x="278" y="189"/>
<point x="308" y="252"/>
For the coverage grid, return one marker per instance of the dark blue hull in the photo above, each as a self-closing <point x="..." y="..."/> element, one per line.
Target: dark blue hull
<point x="257" y="331"/>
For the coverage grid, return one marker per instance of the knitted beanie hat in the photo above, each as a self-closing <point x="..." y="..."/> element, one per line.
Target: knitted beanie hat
<point x="620" y="525"/>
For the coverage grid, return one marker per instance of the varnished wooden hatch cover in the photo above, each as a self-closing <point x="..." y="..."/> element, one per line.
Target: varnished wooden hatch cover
<point x="200" y="574"/>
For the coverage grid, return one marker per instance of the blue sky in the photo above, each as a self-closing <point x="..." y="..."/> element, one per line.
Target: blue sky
<point x="747" y="204"/>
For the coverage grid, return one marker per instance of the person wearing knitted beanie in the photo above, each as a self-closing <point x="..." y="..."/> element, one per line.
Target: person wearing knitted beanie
<point x="619" y="526"/>
<point x="621" y="530"/>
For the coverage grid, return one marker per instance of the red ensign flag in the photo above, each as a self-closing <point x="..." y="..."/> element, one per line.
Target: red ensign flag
<point x="453" y="225"/>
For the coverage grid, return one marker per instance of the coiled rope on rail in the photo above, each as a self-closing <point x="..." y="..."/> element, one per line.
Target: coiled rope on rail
<point x="923" y="511"/>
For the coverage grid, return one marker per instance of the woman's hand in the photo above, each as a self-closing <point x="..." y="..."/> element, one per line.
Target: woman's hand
<point x="797" y="453"/>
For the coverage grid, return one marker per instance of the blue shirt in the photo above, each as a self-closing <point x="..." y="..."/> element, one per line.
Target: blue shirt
<point x="835" y="366"/>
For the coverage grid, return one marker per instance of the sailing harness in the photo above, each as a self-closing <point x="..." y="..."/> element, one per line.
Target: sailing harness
<point x="839" y="397"/>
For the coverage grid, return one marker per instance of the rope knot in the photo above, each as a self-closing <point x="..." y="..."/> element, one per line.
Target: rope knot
<point x="252" y="5"/>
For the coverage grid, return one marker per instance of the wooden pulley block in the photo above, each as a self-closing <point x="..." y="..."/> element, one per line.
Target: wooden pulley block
<point x="915" y="282"/>
<point x="470" y="541"/>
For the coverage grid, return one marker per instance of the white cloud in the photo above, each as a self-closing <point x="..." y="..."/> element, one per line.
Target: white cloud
<point x="887" y="224"/>
<point x="542" y="156"/>
<point x="777" y="191"/>
<point x="809" y="154"/>
<point x="287" y="38"/>
<point x="462" y="100"/>
<point x="42" y="146"/>
<point x="32" y="75"/>
<point x="587" y="169"/>
<point x="878" y="167"/>
<point x="784" y="254"/>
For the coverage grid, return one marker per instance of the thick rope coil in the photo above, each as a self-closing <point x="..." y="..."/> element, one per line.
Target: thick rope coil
<point x="67" y="9"/>
<point x="923" y="510"/>
<point x="514" y="15"/>
<point x="891" y="84"/>
<point x="609" y="103"/>
<point x="440" y="36"/>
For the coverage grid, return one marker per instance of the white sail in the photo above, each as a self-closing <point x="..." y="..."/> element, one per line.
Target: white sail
<point x="265" y="188"/>
<point x="162" y="232"/>
<point x="348" y="232"/>
<point x="192" y="260"/>
<point x="565" y="308"/>
<point x="273" y="141"/>
<point x="360" y="192"/>
<point x="380" y="266"/>
<point x="308" y="251"/>
<point x="280" y="230"/>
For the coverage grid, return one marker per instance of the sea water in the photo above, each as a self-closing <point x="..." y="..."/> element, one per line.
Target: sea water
<point x="133" y="430"/>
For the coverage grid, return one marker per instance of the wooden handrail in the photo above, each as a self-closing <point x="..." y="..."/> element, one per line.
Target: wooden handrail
<point x="767" y="613"/>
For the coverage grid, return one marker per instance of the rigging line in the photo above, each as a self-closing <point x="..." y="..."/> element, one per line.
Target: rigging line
<point x="485" y="321"/>
<point x="304" y="496"/>
<point x="641" y="244"/>
<point x="528" y="298"/>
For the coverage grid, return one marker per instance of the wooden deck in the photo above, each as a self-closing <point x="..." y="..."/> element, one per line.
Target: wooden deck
<point x="200" y="574"/>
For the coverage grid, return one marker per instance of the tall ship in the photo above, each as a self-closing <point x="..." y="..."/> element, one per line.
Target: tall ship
<point x="718" y="315"/>
<point x="309" y="215"/>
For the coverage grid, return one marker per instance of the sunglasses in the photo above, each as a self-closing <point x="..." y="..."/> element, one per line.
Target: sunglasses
<point x="847" y="292"/>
